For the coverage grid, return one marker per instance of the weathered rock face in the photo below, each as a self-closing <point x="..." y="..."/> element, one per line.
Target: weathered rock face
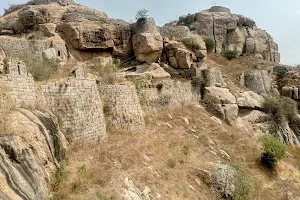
<point x="291" y="92"/>
<point x="231" y="32"/>
<point x="89" y="35"/>
<point x="258" y="81"/>
<point x="219" y="95"/>
<point x="147" y="47"/>
<point x="179" y="56"/>
<point x="146" y="71"/>
<point x="131" y="192"/>
<point x="147" y="41"/>
<point x="97" y="36"/>
<point x="78" y="13"/>
<point x="213" y="77"/>
<point x="29" y="154"/>
<point x="222" y="103"/>
<point x="174" y="33"/>
<point x="250" y="100"/>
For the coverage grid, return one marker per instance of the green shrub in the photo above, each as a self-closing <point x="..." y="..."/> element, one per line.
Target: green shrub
<point x="229" y="54"/>
<point x="243" y="186"/>
<point x="141" y="14"/>
<point x="139" y="83"/>
<point x="280" y="108"/>
<point x="272" y="152"/>
<point x="210" y="45"/>
<point x="192" y="42"/>
<point x="280" y="71"/>
<point x="60" y="176"/>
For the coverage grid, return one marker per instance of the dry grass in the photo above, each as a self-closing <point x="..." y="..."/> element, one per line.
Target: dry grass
<point x="122" y="155"/>
<point x="108" y="73"/>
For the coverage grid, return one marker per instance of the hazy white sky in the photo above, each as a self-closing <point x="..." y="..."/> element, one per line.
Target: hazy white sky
<point x="280" y="18"/>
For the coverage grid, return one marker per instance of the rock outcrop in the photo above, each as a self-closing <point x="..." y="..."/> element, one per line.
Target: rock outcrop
<point x="230" y="32"/>
<point x="87" y="33"/>
<point x="147" y="42"/>
<point x="29" y="154"/>
<point x="258" y="81"/>
<point x="250" y="100"/>
<point x="222" y="103"/>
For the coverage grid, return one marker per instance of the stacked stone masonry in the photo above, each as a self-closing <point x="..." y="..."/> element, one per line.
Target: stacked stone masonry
<point x="22" y="48"/>
<point x="78" y="106"/>
<point x="17" y="84"/>
<point x="122" y="107"/>
<point x="172" y="94"/>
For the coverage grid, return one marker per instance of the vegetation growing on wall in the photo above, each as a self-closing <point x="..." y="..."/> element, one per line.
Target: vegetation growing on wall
<point x="41" y="70"/>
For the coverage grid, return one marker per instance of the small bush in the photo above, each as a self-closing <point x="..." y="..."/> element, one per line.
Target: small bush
<point x="229" y="54"/>
<point x="280" y="71"/>
<point x="159" y="87"/>
<point x="272" y="152"/>
<point x="141" y="14"/>
<point x="139" y="83"/>
<point x="280" y="108"/>
<point x="210" y="45"/>
<point x="60" y="176"/>
<point x="171" y="163"/>
<point x="243" y="186"/>
<point x="192" y="42"/>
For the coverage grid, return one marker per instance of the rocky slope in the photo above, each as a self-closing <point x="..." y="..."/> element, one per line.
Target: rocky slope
<point x="136" y="78"/>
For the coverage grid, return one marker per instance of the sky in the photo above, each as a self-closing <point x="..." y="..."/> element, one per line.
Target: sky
<point x="280" y="18"/>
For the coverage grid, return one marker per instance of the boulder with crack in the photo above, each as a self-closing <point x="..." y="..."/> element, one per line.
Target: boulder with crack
<point x="222" y="103"/>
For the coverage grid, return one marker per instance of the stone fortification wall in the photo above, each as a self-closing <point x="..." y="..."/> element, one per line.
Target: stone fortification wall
<point x="20" y="47"/>
<point x="17" y="84"/>
<point x="168" y="94"/>
<point x="122" y="107"/>
<point x="78" y="106"/>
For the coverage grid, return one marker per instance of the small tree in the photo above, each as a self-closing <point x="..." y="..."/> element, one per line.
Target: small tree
<point x="141" y="14"/>
<point x="273" y="151"/>
<point x="229" y="54"/>
<point x="210" y="44"/>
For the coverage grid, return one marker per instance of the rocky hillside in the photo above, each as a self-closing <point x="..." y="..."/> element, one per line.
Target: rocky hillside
<point x="229" y="32"/>
<point x="99" y="108"/>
